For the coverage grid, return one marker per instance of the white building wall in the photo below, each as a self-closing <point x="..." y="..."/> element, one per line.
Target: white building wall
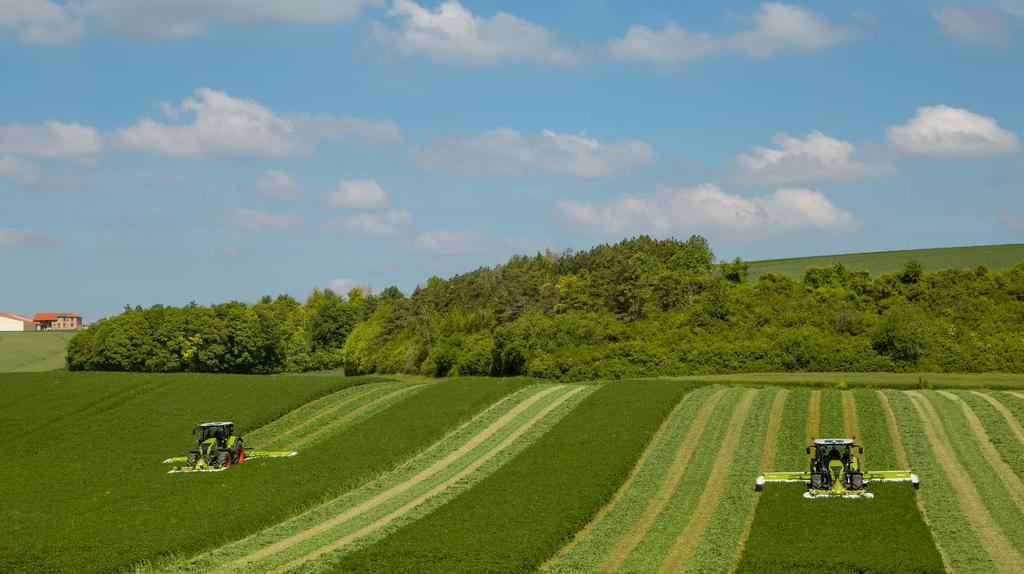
<point x="7" y="324"/>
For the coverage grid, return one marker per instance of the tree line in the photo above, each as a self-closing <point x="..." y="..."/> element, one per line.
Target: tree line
<point x="636" y="308"/>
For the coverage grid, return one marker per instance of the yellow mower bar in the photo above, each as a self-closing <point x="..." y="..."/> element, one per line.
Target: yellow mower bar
<point x="203" y="467"/>
<point x="869" y="476"/>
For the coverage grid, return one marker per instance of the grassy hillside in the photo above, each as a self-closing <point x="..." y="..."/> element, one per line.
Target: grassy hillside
<point x="40" y="351"/>
<point x="995" y="257"/>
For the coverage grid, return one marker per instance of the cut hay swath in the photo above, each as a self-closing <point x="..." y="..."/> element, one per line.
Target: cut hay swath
<point x="404" y="494"/>
<point x="560" y="482"/>
<point x="687" y="505"/>
<point x="722" y="532"/>
<point x="330" y="414"/>
<point x="644" y="550"/>
<point x="657" y="472"/>
<point x="958" y="518"/>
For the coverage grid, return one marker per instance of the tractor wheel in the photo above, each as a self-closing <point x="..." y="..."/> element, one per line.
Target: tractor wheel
<point x="193" y="459"/>
<point x="856" y="481"/>
<point x="223" y="458"/>
<point x="238" y="454"/>
<point x="816" y="481"/>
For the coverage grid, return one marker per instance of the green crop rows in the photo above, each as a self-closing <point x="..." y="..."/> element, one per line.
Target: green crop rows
<point x="409" y="492"/>
<point x="949" y="524"/>
<point x="502" y="475"/>
<point x="99" y="474"/>
<point x="880" y="453"/>
<point x="549" y="491"/>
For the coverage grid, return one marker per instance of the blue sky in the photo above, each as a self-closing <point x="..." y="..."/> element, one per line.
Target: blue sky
<point x="163" y="152"/>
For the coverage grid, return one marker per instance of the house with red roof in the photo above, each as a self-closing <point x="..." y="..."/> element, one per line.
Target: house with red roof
<point x="14" y="322"/>
<point x="59" y="321"/>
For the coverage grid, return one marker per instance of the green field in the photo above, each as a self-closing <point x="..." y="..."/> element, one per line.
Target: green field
<point x="38" y="351"/>
<point x="506" y="475"/>
<point x="995" y="257"/>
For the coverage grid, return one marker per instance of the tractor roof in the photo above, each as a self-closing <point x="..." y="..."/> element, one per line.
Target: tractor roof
<point x="220" y="424"/>
<point x="833" y="441"/>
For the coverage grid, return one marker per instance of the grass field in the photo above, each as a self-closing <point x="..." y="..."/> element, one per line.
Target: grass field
<point x="39" y="351"/>
<point x="507" y="475"/>
<point x="870" y="380"/>
<point x="995" y="257"/>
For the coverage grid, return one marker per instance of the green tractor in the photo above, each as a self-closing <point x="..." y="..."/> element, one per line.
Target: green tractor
<point x="835" y="472"/>
<point x="217" y="448"/>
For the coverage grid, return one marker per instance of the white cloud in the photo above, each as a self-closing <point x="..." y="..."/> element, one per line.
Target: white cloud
<point x="446" y="242"/>
<point x="506" y="151"/>
<point x="41" y="21"/>
<point x="51" y="139"/>
<point x="390" y="223"/>
<point x="357" y="193"/>
<point x="779" y="27"/>
<point x="451" y="33"/>
<point x="275" y="184"/>
<point x="254" y="221"/>
<point x="230" y="252"/>
<point x="222" y="125"/>
<point x="29" y="176"/>
<point x="976" y="24"/>
<point x="11" y="239"/>
<point x="815" y="158"/>
<point x="707" y="208"/>
<point x="775" y="27"/>
<point x="19" y="171"/>
<point x="671" y="45"/>
<point x="943" y="132"/>
<point x="182" y="18"/>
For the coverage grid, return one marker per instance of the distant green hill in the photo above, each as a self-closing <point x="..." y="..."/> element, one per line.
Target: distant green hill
<point x="20" y="352"/>
<point x="996" y="257"/>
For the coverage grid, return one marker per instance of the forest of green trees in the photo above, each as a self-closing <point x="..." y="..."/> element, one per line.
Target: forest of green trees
<point x="639" y="307"/>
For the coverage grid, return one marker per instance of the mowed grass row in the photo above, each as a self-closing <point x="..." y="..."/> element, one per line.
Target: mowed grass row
<point x="887" y="533"/>
<point x="519" y="516"/>
<point x="1000" y="490"/>
<point x="100" y="476"/>
<point x="320" y="418"/>
<point x="404" y="494"/>
<point x="687" y="506"/>
<point x="951" y="508"/>
<point x="657" y="471"/>
<point x="717" y="549"/>
<point x="1001" y="427"/>
<point x="644" y="549"/>
<point x="873" y="432"/>
<point x="793" y="436"/>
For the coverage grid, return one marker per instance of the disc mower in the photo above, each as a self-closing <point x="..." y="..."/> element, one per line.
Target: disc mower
<point x="217" y="448"/>
<point x="836" y="472"/>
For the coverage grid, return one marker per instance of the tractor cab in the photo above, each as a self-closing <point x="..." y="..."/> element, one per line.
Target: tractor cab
<point x="834" y="467"/>
<point x="219" y="431"/>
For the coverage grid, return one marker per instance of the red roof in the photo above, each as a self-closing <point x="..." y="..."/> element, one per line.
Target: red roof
<point x="53" y="316"/>
<point x="16" y="317"/>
